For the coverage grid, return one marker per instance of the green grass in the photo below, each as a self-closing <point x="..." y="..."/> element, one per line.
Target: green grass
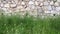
<point x="29" y="25"/>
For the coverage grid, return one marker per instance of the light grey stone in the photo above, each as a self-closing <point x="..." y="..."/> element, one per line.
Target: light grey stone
<point x="22" y="3"/>
<point x="44" y="7"/>
<point x="12" y="2"/>
<point x="36" y="3"/>
<point x="58" y="0"/>
<point x="13" y="5"/>
<point x="46" y="3"/>
<point x="47" y="11"/>
<point x="16" y="1"/>
<point x="49" y="8"/>
<point x="51" y="3"/>
<point x="26" y="0"/>
<point x="41" y="0"/>
<point x="56" y="4"/>
<point x="53" y="8"/>
<point x="2" y="5"/>
<point x="31" y="2"/>
<point x="41" y="4"/>
<point x="39" y="10"/>
<point x="31" y="5"/>
<point x="5" y="9"/>
<point x="27" y="9"/>
<point x="57" y="8"/>
<point x="6" y="5"/>
<point x="53" y="12"/>
<point x="20" y="7"/>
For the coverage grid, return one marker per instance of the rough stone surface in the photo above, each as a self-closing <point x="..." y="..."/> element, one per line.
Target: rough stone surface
<point x="56" y="4"/>
<point x="34" y="7"/>
<point x="51" y="3"/>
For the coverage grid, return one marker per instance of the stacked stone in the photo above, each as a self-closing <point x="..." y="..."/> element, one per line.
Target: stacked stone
<point x="33" y="7"/>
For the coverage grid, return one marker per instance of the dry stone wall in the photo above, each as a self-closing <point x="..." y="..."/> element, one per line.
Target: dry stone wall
<point x="33" y="7"/>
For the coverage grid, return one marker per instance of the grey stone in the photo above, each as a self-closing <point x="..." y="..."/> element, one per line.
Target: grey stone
<point x="5" y="9"/>
<point x="56" y="4"/>
<point x="6" y="5"/>
<point x="39" y="10"/>
<point x="46" y="3"/>
<point x="53" y="12"/>
<point x="57" y="8"/>
<point x="41" y="4"/>
<point x="53" y="7"/>
<point x="51" y="3"/>
<point x="22" y="3"/>
<point x="49" y="8"/>
<point x="36" y="3"/>
<point x="31" y="2"/>
<point x="58" y="0"/>
<point x="41" y="0"/>
<point x="1" y="5"/>
<point x="13" y="5"/>
<point x="47" y="11"/>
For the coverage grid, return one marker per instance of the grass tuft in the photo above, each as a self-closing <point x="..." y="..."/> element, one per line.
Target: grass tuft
<point x="29" y="25"/>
